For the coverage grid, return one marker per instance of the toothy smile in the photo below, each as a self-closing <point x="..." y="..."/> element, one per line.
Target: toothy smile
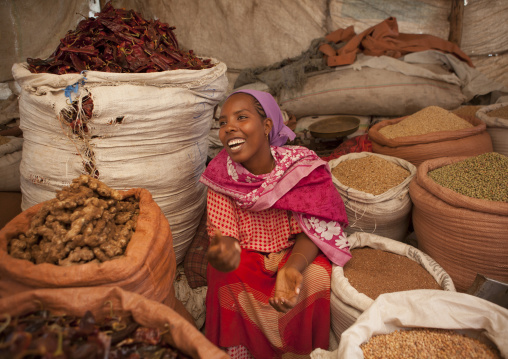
<point x="236" y="143"/>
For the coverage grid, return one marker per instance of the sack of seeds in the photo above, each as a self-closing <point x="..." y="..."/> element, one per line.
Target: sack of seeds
<point x="460" y="215"/>
<point x="379" y="265"/>
<point x="374" y="189"/>
<point x="121" y="321"/>
<point x="496" y="119"/>
<point x="425" y="323"/>
<point x="90" y="235"/>
<point x="10" y="158"/>
<point x="432" y="132"/>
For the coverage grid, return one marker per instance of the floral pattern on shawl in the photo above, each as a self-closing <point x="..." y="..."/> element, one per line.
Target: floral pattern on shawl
<point x="275" y="189"/>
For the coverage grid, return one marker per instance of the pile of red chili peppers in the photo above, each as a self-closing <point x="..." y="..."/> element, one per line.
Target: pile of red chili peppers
<point x="118" y="40"/>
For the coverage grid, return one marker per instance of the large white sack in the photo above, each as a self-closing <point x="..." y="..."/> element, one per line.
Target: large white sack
<point x="386" y="214"/>
<point x="147" y="130"/>
<point x="424" y="308"/>
<point x="497" y="127"/>
<point x="10" y="159"/>
<point x="347" y="304"/>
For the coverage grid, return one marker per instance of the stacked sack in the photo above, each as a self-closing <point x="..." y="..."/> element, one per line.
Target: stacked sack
<point x="496" y="119"/>
<point x="430" y="133"/>
<point x="375" y="191"/>
<point x="460" y="215"/>
<point x="10" y="158"/>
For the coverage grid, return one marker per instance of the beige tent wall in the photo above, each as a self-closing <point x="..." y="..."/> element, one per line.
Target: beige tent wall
<point x="251" y="33"/>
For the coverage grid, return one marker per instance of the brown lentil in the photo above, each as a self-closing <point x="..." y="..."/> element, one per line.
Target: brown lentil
<point x="426" y="343"/>
<point x="370" y="174"/>
<point x="427" y="120"/>
<point x="484" y="176"/>
<point x="501" y="112"/>
<point x="4" y="140"/>
<point x="374" y="272"/>
<point x="468" y="111"/>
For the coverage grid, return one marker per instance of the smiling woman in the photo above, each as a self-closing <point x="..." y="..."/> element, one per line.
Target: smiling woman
<point x="271" y="211"/>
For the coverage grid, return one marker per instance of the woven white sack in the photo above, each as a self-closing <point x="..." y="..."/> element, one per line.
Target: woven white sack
<point x="386" y="214"/>
<point x="497" y="127"/>
<point x="147" y="130"/>
<point x="347" y="304"/>
<point x="424" y="308"/>
<point x="10" y="159"/>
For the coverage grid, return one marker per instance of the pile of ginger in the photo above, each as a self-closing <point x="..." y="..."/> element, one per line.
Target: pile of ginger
<point x="86" y="222"/>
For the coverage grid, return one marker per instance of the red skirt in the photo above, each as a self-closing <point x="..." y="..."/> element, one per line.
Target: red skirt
<point x="238" y="311"/>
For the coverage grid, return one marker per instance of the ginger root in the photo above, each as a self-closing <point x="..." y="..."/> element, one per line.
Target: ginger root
<point x="85" y="222"/>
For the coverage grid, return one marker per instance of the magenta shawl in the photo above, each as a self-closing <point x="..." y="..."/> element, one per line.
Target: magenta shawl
<point x="300" y="182"/>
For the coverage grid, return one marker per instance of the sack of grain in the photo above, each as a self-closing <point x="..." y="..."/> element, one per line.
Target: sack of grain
<point x="10" y="159"/>
<point x="496" y="119"/>
<point x="347" y="303"/>
<point x="108" y="303"/>
<point x="483" y="322"/>
<point x="464" y="234"/>
<point x="147" y="265"/>
<point x="375" y="191"/>
<point x="432" y="132"/>
<point x="147" y="130"/>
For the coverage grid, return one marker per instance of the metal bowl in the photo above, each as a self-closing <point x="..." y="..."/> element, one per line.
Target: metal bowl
<point x="334" y="127"/>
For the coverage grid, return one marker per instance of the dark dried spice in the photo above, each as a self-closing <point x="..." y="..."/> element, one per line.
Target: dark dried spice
<point x="118" y="40"/>
<point x="43" y="335"/>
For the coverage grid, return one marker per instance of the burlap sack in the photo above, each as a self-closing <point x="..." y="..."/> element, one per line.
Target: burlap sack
<point x="497" y="127"/>
<point x="100" y="301"/>
<point x="148" y="266"/>
<point x="10" y="159"/>
<point x="386" y="214"/>
<point x="416" y="149"/>
<point x="464" y="235"/>
<point x="347" y="304"/>
<point x="424" y="308"/>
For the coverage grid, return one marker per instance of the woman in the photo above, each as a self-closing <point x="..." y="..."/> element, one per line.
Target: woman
<point x="275" y="221"/>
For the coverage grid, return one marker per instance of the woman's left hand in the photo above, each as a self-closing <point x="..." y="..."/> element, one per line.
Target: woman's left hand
<point x="287" y="289"/>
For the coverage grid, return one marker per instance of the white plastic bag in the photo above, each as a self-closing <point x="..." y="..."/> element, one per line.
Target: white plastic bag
<point x="425" y="308"/>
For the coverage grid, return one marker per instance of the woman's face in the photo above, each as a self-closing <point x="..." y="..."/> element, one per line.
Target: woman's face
<point x="243" y="133"/>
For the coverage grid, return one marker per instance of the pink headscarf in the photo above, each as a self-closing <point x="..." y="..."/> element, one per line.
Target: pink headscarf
<point x="280" y="133"/>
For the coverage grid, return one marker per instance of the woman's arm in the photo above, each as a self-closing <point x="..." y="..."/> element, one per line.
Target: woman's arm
<point x="289" y="278"/>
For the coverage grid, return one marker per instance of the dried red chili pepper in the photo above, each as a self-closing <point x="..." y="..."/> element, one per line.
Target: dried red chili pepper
<point x="118" y="40"/>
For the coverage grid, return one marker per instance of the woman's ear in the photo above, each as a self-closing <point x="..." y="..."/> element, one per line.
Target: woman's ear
<point x="268" y="125"/>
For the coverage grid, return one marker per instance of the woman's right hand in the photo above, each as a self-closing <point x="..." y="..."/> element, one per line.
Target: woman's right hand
<point x="224" y="252"/>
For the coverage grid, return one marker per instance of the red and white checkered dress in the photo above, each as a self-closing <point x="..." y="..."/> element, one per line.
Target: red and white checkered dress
<point x="267" y="231"/>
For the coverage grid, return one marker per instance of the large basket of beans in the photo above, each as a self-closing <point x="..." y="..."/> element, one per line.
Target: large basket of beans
<point x="379" y="265"/>
<point x="425" y="324"/>
<point x="97" y="322"/>
<point x="460" y="215"/>
<point x="496" y="119"/>
<point x="91" y="235"/>
<point x="432" y="132"/>
<point x="374" y="189"/>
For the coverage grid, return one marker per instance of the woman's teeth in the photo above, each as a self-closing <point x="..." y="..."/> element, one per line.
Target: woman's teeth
<point x="235" y="143"/>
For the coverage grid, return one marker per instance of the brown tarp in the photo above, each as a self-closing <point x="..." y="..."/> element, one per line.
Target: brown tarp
<point x="384" y="39"/>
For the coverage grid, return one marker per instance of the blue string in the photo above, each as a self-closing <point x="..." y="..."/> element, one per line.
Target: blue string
<point x="74" y="88"/>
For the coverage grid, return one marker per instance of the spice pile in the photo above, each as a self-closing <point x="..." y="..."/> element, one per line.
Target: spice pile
<point x="426" y="343"/>
<point x="501" y="112"/>
<point x="374" y="272"/>
<point x="44" y="335"/>
<point x="87" y="221"/>
<point x="370" y="174"/>
<point x="118" y="40"/>
<point x="483" y="177"/>
<point x="428" y="120"/>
